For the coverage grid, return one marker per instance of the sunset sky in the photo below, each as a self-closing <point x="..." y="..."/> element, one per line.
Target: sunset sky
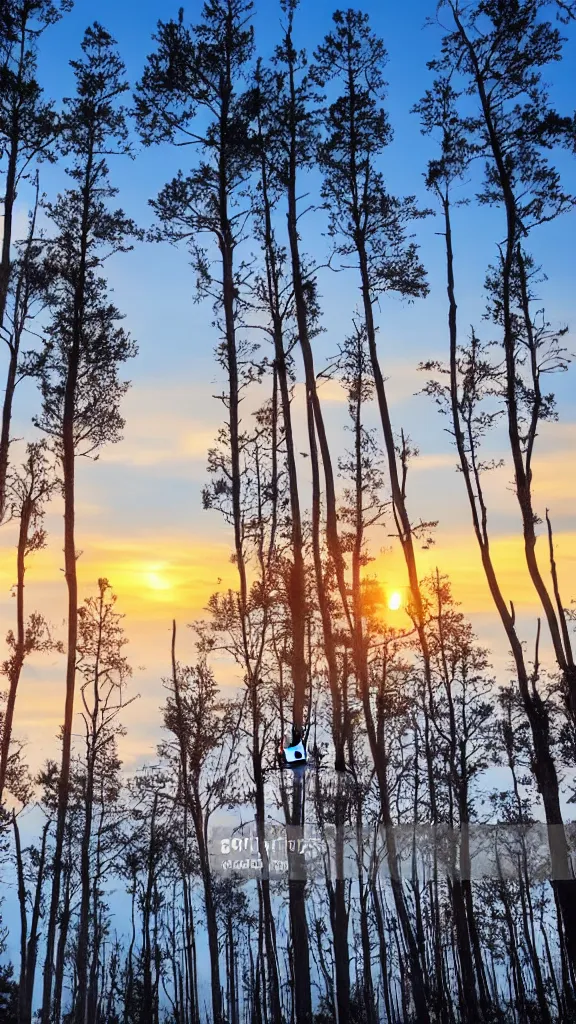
<point x="140" y="520"/>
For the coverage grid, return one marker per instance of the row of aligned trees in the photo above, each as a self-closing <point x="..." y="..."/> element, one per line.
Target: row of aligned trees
<point x="408" y="724"/>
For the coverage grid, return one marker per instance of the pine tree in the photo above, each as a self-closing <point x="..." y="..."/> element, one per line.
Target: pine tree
<point x="104" y="671"/>
<point x="493" y="52"/>
<point x="28" y="129"/>
<point x="369" y="225"/>
<point x="80" y="386"/>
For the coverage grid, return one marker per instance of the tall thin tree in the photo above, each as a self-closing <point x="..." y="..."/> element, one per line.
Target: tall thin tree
<point x="28" y="127"/>
<point x="80" y="386"/>
<point x="28" y="492"/>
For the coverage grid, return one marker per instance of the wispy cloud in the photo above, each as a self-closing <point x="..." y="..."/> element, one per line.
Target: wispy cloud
<point x="165" y="425"/>
<point x="433" y="461"/>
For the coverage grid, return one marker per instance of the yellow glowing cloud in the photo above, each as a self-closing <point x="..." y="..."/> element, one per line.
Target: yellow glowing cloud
<point x="152" y="590"/>
<point x="192" y="569"/>
<point x="457" y="556"/>
<point x="189" y="572"/>
<point x="172" y="573"/>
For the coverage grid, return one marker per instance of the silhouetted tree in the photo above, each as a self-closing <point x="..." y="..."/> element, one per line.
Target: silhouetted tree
<point x="28" y="491"/>
<point x="294" y="119"/>
<point x="31" y="877"/>
<point x="81" y="390"/>
<point x="367" y="223"/>
<point x="205" y="734"/>
<point x="28" y="127"/>
<point x="499" y="61"/>
<point x="104" y="670"/>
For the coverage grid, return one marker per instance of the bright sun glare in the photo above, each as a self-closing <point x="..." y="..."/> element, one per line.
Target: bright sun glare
<point x="157" y="582"/>
<point x="395" y="601"/>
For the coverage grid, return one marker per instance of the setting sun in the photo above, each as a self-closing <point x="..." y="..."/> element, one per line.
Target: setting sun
<point x="156" y="581"/>
<point x="395" y="601"/>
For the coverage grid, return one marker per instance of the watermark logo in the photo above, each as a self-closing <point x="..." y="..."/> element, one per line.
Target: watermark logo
<point x="476" y="852"/>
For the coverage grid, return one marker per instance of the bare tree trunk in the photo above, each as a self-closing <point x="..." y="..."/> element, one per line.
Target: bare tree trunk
<point x="367" y="979"/>
<point x="18" y="660"/>
<point x="383" y="951"/>
<point x="316" y="426"/>
<point x="528" y="930"/>
<point x="535" y="709"/>
<point x="9" y="199"/>
<point x="23" y="297"/>
<point x="300" y="946"/>
<point x="63" y="784"/>
<point x="129" y="990"/>
<point x="300" y="942"/>
<point x="32" y="949"/>
<point x="60" y="965"/>
<point x="211" y="923"/>
<point x="470" y="1004"/>
<point x="419" y="985"/>
<point x="268" y="917"/>
<point x="95" y="989"/>
<point x="259" y="1014"/>
<point x="232" y="967"/>
<point x="297" y="584"/>
<point x="68" y="468"/>
<point x="192" y="798"/>
<point x="147" y="982"/>
<point x="190" y="950"/>
<point x="339" y="913"/>
<point x="338" y="903"/>
<point x="8" y="204"/>
<point x="82" y="1001"/>
<point x="81" y="1008"/>
<point x="6" y="423"/>
<point x="23" y="921"/>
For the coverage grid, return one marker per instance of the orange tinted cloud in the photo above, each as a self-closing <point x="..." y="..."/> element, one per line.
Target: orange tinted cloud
<point x="458" y="557"/>
<point x="171" y="572"/>
<point x="152" y="589"/>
